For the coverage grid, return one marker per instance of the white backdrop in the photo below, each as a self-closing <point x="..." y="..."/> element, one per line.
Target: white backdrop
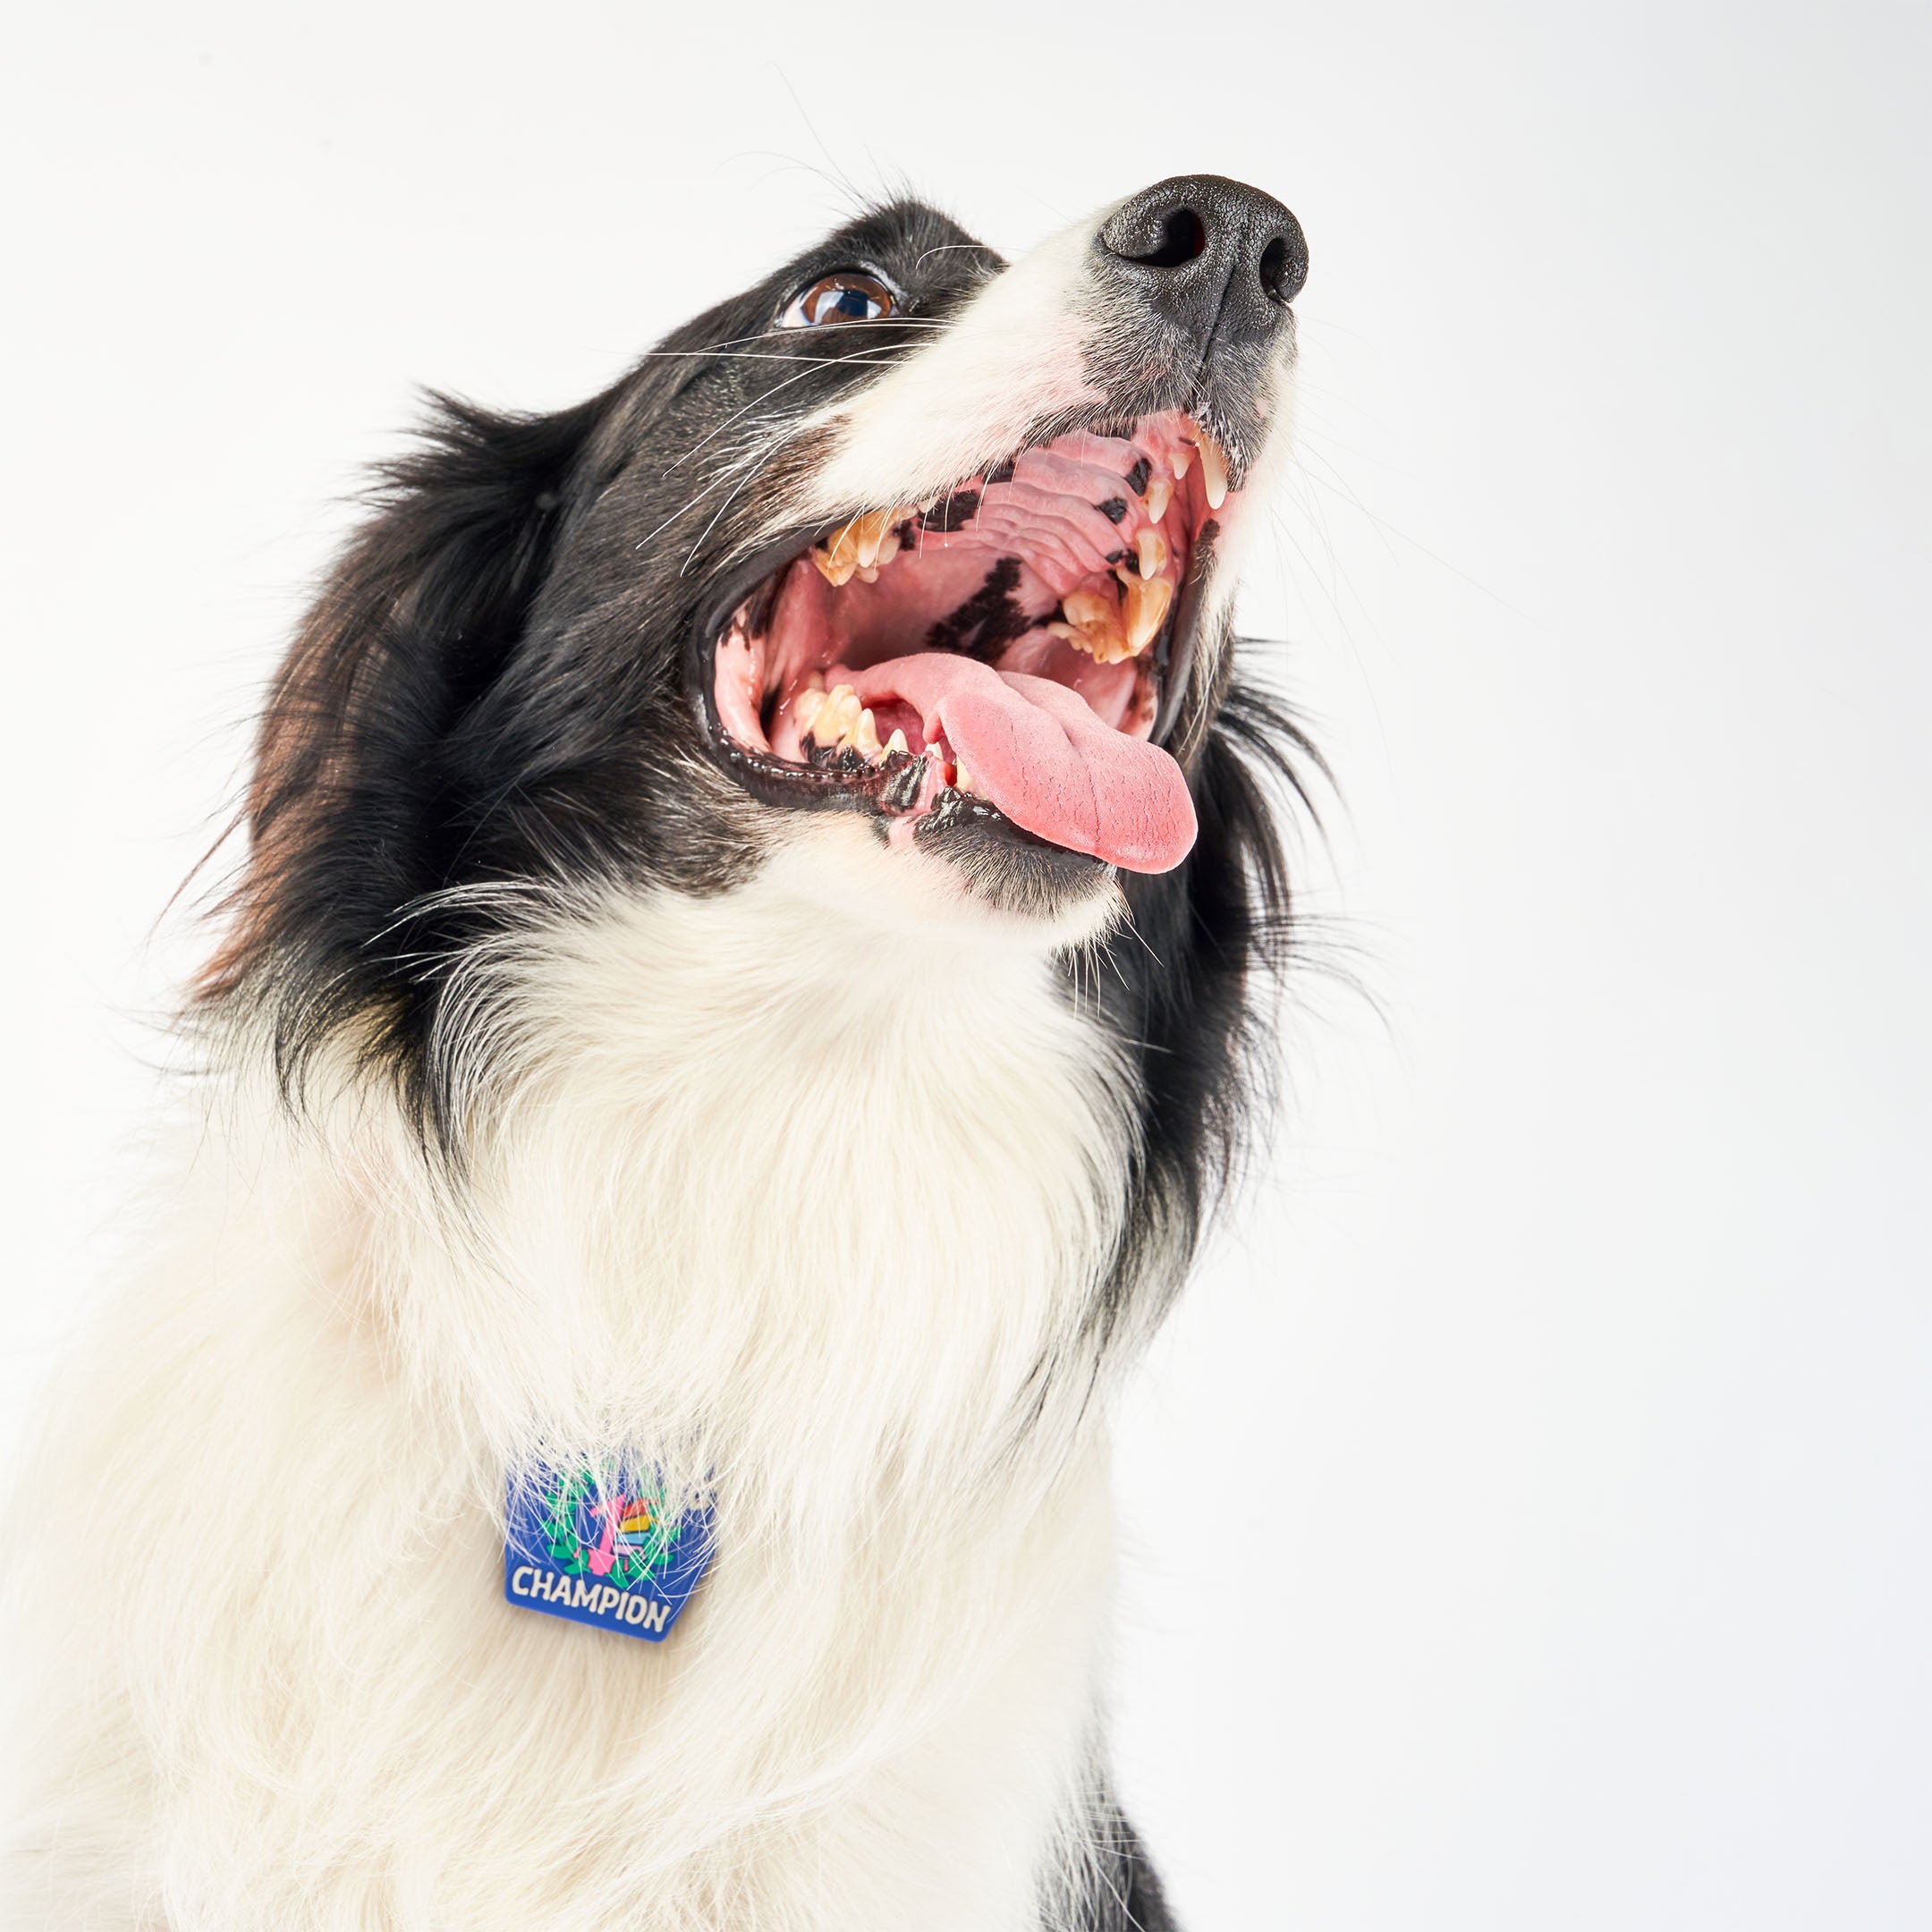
<point x="1554" y="1421"/>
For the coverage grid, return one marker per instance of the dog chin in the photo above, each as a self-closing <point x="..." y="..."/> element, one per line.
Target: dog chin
<point x="959" y="881"/>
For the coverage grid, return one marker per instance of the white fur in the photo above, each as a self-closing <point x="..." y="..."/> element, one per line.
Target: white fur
<point x="1016" y="353"/>
<point x="796" y="1187"/>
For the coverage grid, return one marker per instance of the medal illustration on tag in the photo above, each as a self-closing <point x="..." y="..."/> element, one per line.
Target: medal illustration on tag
<point x="601" y="1546"/>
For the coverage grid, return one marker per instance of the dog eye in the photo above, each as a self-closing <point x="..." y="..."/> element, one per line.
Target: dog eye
<point x="847" y="296"/>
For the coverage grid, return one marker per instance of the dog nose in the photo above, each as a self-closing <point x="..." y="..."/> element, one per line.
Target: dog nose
<point x="1217" y="259"/>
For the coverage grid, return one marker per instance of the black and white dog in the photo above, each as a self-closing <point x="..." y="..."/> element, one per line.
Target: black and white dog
<point x="737" y="1008"/>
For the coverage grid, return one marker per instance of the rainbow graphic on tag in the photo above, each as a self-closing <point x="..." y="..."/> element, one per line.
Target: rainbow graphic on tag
<point x="601" y="1546"/>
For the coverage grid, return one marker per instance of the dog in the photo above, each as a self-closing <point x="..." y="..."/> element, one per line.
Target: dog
<point x="747" y="983"/>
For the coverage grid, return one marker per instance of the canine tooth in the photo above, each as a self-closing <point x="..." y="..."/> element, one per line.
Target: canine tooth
<point x="1213" y="469"/>
<point x="1146" y="608"/>
<point x="896" y="743"/>
<point x="1159" y="495"/>
<point x="1152" y="547"/>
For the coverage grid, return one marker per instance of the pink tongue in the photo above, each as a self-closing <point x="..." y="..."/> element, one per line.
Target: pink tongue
<point x="1036" y="752"/>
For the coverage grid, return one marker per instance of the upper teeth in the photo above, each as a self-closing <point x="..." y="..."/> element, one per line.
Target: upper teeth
<point x="864" y="544"/>
<point x="1109" y="624"/>
<point x="1093" y="624"/>
<point x="1146" y="605"/>
<point x="1213" y="468"/>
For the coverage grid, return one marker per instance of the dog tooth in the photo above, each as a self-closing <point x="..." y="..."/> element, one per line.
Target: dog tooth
<point x="1213" y="468"/>
<point x="1089" y="609"/>
<point x="869" y="532"/>
<point x="1147" y="607"/>
<point x="896" y="743"/>
<point x="806" y="707"/>
<point x="836" y="721"/>
<point x="1159" y="495"/>
<point x="1152" y="547"/>
<point x="865" y="737"/>
<point x="836" y="568"/>
<point x="1096" y="621"/>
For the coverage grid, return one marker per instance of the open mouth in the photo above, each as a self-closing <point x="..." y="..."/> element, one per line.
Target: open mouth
<point x="1013" y="649"/>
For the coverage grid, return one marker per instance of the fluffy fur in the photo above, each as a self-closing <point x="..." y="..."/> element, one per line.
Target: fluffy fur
<point x="565" y="1096"/>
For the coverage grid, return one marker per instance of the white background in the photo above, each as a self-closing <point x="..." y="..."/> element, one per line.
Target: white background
<point x="1552" y="1424"/>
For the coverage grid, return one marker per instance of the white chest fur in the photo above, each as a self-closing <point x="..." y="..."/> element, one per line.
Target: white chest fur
<point x="785" y="1187"/>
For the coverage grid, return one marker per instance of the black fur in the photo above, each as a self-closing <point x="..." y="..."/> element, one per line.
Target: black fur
<point x="492" y="692"/>
<point x="1126" y="1894"/>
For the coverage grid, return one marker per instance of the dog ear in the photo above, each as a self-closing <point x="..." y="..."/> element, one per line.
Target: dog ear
<point x="353" y="816"/>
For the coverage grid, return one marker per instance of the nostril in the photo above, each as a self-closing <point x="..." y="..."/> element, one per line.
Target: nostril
<point x="1218" y="261"/>
<point x="1184" y="237"/>
<point x="1283" y="269"/>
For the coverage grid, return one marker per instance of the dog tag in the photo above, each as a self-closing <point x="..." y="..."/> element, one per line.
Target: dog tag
<point x="599" y="1546"/>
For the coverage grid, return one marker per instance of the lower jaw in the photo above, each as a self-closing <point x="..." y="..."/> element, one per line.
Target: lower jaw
<point x="956" y="826"/>
<point x="967" y="830"/>
<point x="960" y="876"/>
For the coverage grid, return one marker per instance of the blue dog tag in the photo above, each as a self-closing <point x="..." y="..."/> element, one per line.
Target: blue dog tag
<point x="599" y="1546"/>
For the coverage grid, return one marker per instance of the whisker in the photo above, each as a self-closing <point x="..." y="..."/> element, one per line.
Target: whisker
<point x="811" y="368"/>
<point x="943" y="248"/>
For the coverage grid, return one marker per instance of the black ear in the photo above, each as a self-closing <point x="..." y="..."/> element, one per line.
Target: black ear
<point x="357" y="816"/>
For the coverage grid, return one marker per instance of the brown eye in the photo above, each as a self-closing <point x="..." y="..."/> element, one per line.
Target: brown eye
<point x="847" y="296"/>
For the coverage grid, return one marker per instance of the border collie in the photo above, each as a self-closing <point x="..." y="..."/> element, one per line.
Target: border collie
<point x="739" y="1001"/>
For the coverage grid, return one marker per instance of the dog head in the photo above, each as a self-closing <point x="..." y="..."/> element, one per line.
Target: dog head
<point x="905" y="542"/>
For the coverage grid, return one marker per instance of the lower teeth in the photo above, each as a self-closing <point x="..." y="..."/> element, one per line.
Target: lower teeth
<point x="835" y="721"/>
